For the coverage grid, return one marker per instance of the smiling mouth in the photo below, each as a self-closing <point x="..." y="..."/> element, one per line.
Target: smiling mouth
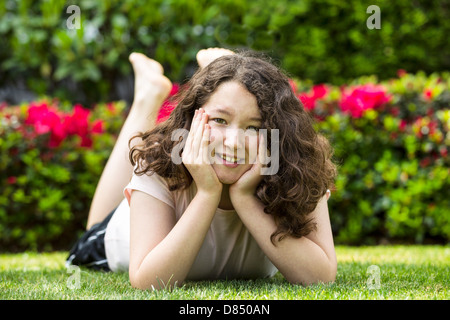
<point x="227" y="160"/>
<point x="231" y="159"/>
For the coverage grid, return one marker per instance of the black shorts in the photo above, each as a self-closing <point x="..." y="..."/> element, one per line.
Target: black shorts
<point x="89" y="250"/>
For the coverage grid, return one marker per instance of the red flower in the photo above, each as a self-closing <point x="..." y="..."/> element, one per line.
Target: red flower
<point x="395" y="111"/>
<point x="425" y="162"/>
<point x="97" y="126"/>
<point x="58" y="135"/>
<point x="401" y="73"/>
<point x="111" y="107"/>
<point x="361" y="98"/>
<point x="168" y="105"/>
<point x="402" y="125"/>
<point x="86" y="141"/>
<point x="3" y="105"/>
<point x="428" y="94"/>
<point x="42" y="117"/>
<point x="319" y="91"/>
<point x="293" y="85"/>
<point x="77" y="123"/>
<point x="11" y="180"/>
<point x="174" y="90"/>
<point x="309" y="99"/>
<point x="46" y="119"/>
<point x="308" y="102"/>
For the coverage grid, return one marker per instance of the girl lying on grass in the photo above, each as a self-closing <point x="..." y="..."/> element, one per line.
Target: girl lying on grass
<point x="196" y="198"/>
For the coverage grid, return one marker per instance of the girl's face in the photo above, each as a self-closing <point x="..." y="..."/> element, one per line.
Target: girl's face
<point x="234" y="117"/>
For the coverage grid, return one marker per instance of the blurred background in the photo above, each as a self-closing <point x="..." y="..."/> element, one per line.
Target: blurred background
<point x="380" y="95"/>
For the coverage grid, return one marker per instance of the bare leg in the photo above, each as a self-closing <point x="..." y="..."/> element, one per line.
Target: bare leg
<point x="151" y="89"/>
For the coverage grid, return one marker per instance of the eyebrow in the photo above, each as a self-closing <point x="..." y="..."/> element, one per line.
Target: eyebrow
<point x="224" y="111"/>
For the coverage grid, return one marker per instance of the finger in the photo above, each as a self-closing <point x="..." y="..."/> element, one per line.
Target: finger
<point x="191" y="131"/>
<point x="196" y="143"/>
<point x="205" y="144"/>
<point x="187" y="150"/>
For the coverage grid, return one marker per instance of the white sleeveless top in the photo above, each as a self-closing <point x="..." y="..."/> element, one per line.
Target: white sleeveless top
<point x="228" y="252"/>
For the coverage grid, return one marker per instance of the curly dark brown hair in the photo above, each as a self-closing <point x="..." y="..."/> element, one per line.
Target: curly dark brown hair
<point x="306" y="169"/>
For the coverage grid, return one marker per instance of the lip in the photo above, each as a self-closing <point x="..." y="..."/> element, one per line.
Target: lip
<point x="225" y="162"/>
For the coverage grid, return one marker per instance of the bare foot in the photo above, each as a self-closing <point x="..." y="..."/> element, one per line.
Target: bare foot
<point x="206" y="56"/>
<point x="151" y="87"/>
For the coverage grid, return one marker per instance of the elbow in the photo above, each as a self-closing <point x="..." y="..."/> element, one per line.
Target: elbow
<point x="332" y="272"/>
<point x="326" y="275"/>
<point x="135" y="282"/>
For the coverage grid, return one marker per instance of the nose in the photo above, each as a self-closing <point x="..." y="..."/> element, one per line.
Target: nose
<point x="234" y="139"/>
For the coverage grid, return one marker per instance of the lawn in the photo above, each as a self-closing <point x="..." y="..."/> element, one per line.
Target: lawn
<point x="403" y="272"/>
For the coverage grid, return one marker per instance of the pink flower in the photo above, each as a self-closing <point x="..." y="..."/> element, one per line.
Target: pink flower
<point x="111" y="107"/>
<point x="428" y="94"/>
<point x="319" y="91"/>
<point x="42" y="117"/>
<point x="46" y="119"/>
<point x="358" y="99"/>
<point x="97" y="126"/>
<point x="77" y="123"/>
<point x="308" y="102"/>
<point x="174" y="90"/>
<point x="58" y="135"/>
<point x="293" y="85"/>
<point x="402" y="126"/>
<point x="309" y="99"/>
<point x="168" y="105"/>
<point x="86" y="141"/>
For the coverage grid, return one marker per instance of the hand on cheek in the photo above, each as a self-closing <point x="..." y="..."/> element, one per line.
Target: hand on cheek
<point x="196" y="156"/>
<point x="247" y="183"/>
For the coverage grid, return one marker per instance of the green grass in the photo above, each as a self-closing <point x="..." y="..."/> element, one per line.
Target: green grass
<point x="406" y="272"/>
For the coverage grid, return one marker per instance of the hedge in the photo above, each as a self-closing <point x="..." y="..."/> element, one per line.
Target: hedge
<point x="325" y="41"/>
<point x="51" y="157"/>
<point x="391" y="141"/>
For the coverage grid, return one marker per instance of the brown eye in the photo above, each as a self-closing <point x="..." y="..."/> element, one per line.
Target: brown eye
<point x="219" y="120"/>
<point x="253" y="128"/>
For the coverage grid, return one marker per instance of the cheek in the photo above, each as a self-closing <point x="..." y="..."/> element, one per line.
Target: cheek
<point x="251" y="145"/>
<point x="216" y="140"/>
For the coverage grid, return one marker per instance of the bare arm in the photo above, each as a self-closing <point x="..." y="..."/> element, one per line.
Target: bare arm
<point x="307" y="260"/>
<point x="162" y="250"/>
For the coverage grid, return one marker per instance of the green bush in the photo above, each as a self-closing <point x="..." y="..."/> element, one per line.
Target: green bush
<point x="326" y="41"/>
<point x="51" y="157"/>
<point x="391" y="143"/>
